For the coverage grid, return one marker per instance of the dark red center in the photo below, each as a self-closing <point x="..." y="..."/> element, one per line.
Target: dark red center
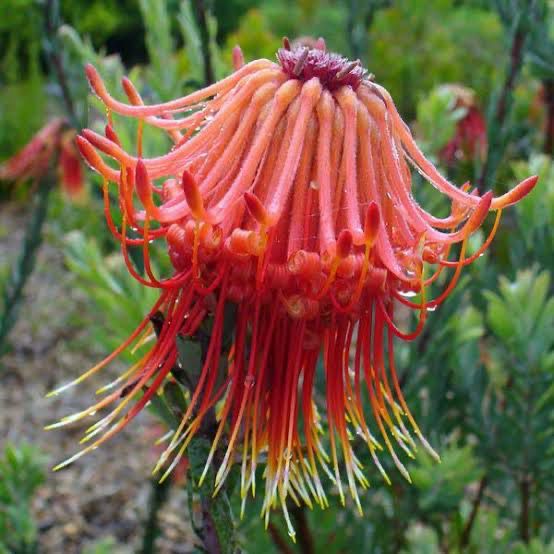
<point x="331" y="69"/>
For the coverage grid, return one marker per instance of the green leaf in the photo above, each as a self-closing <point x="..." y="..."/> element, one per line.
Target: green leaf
<point x="421" y="540"/>
<point x="218" y="507"/>
<point x="161" y="408"/>
<point x="442" y="485"/>
<point x="163" y="68"/>
<point x="21" y="473"/>
<point x="117" y="302"/>
<point x="190" y="357"/>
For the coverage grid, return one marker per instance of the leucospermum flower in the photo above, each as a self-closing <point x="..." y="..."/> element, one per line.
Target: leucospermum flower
<point x="470" y="137"/>
<point x="55" y="139"/>
<point x="287" y="193"/>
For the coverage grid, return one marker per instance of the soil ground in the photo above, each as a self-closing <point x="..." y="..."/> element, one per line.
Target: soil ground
<point x="106" y="493"/>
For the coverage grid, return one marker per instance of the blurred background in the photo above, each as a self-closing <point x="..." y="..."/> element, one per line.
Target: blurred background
<point x="475" y="80"/>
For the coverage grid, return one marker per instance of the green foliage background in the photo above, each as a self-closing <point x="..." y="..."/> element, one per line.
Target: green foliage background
<point x="480" y="379"/>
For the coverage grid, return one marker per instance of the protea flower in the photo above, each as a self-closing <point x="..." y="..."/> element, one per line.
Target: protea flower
<point x="33" y="160"/>
<point x="288" y="194"/>
<point x="470" y="138"/>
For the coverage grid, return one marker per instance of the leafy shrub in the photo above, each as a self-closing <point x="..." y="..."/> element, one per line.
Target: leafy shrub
<point x="21" y="473"/>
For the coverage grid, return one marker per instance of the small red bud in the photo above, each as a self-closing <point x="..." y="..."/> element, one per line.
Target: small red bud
<point x="372" y="222"/>
<point x="112" y="135"/>
<point x="131" y="91"/>
<point x="193" y="195"/>
<point x="238" y="58"/>
<point x="143" y="186"/>
<point x="344" y="243"/>
<point x="480" y="213"/>
<point x="88" y="152"/>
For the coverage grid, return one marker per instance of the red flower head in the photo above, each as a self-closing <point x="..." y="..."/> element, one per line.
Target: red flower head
<point x="288" y="194"/>
<point x="470" y="138"/>
<point x="33" y="160"/>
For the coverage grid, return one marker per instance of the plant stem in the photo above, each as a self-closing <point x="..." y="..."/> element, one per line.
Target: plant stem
<point x="51" y="18"/>
<point x="280" y="543"/>
<point x="158" y="496"/>
<point x="22" y="270"/>
<point x="304" y="534"/>
<point x="497" y="138"/>
<point x="466" y="533"/>
<point x="397" y="520"/>
<point x="525" y="494"/>
<point x="351" y="29"/>
<point x="360" y="18"/>
<point x="216" y="529"/>
<point x="209" y="532"/>
<point x="202" y="20"/>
